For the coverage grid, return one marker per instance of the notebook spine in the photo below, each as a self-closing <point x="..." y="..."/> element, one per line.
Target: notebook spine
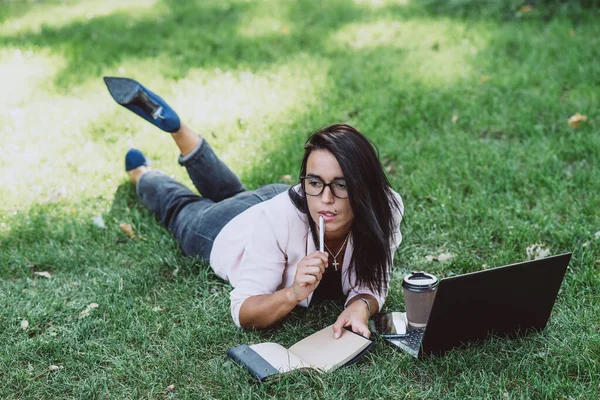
<point x="252" y="361"/>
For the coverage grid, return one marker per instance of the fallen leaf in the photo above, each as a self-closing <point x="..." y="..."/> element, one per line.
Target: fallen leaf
<point x="484" y="78"/>
<point x="87" y="310"/>
<point x="170" y="388"/>
<point x="454" y="118"/>
<point x="99" y="222"/>
<point x="526" y="8"/>
<point x="128" y="230"/>
<point x="537" y="251"/>
<point x="55" y="368"/>
<point x="441" y="257"/>
<point x="24" y="324"/>
<point x="287" y="179"/>
<point x="45" y="274"/>
<point x="541" y="354"/>
<point x="445" y="256"/>
<point x="484" y="266"/>
<point x="285" y="29"/>
<point x="576" y="119"/>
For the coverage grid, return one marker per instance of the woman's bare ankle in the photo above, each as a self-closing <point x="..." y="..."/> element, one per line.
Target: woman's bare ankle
<point x="136" y="173"/>
<point x="186" y="139"/>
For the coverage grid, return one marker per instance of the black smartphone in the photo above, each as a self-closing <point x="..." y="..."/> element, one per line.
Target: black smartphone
<point x="390" y="325"/>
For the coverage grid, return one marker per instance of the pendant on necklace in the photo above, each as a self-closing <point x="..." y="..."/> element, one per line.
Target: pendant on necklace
<point x="335" y="263"/>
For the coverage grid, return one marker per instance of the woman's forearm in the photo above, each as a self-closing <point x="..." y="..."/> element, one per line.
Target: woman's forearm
<point x="373" y="303"/>
<point x="265" y="310"/>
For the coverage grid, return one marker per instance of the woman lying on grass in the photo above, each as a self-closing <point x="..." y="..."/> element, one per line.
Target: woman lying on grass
<point x="265" y="241"/>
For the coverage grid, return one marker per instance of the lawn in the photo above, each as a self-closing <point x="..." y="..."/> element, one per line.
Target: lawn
<point x="468" y="106"/>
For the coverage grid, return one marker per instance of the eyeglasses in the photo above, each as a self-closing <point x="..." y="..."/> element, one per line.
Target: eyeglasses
<point x="314" y="186"/>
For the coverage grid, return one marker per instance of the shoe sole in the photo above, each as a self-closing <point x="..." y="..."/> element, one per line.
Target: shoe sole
<point x="126" y="91"/>
<point x="123" y="90"/>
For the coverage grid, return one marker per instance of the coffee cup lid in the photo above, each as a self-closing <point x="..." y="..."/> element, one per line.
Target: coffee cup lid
<point x="420" y="281"/>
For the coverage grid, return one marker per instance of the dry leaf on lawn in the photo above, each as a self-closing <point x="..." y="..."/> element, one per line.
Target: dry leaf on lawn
<point x="454" y="118"/>
<point x="87" y="310"/>
<point x="99" y="222"/>
<point x="484" y="78"/>
<point x="45" y="274"/>
<point x="537" y="251"/>
<point x="441" y="257"/>
<point x="526" y="8"/>
<point x="128" y="230"/>
<point x="24" y="324"/>
<point x="170" y="388"/>
<point x="55" y="368"/>
<point x="445" y="256"/>
<point x="576" y="119"/>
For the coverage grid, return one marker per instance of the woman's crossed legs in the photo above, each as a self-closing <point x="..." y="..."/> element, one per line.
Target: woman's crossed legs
<point x="196" y="221"/>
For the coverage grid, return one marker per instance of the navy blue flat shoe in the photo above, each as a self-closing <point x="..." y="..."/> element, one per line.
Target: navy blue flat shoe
<point x="135" y="159"/>
<point x="135" y="97"/>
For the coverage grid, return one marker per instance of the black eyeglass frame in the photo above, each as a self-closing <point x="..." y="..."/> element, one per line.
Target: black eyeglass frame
<point x="303" y="178"/>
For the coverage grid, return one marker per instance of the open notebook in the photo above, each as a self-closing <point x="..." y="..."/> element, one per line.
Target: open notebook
<point x="320" y="351"/>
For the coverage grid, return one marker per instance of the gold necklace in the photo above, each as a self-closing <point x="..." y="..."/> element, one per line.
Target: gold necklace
<point x="335" y="263"/>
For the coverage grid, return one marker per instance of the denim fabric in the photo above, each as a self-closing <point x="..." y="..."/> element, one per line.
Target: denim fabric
<point x="196" y="221"/>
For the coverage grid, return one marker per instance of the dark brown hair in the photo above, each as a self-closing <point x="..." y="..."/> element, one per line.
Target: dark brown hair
<point x="371" y="198"/>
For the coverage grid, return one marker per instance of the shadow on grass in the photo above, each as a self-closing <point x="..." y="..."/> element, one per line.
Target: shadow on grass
<point x="412" y="117"/>
<point x="105" y="42"/>
<point x="576" y="10"/>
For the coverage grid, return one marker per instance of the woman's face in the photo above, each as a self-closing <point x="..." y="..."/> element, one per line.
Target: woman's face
<point x="336" y="212"/>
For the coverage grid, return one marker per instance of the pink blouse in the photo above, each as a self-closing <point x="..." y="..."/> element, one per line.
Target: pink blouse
<point x="259" y="250"/>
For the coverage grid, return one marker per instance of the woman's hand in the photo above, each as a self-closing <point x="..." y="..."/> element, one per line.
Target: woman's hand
<point x="308" y="274"/>
<point x="356" y="315"/>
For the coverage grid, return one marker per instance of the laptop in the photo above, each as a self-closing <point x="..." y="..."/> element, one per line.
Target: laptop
<point x="506" y="301"/>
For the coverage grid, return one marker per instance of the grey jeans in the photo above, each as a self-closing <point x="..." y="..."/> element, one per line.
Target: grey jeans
<point x="196" y="221"/>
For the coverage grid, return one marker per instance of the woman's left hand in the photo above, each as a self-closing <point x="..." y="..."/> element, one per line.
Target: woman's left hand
<point x="356" y="316"/>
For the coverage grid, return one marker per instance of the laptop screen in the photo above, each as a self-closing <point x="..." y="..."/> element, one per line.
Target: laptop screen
<point x="508" y="300"/>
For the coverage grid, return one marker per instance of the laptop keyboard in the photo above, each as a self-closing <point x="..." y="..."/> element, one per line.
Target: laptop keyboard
<point x="414" y="338"/>
<point x="411" y="342"/>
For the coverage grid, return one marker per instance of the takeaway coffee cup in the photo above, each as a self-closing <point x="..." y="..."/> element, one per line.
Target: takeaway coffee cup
<point x="419" y="292"/>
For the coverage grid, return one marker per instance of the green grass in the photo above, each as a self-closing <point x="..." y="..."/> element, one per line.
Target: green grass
<point x="469" y="109"/>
